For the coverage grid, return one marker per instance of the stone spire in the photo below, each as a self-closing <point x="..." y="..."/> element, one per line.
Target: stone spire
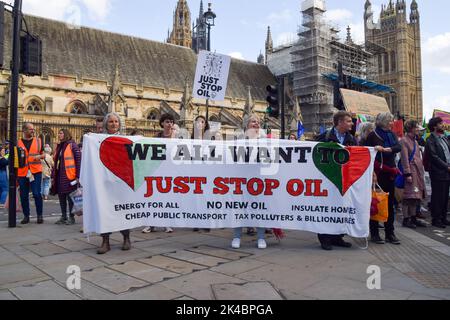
<point x="349" y="39"/>
<point x="199" y="33"/>
<point x="186" y="106"/>
<point x="115" y="93"/>
<point x="296" y="116"/>
<point x="249" y="106"/>
<point x="260" y="59"/>
<point x="182" y="33"/>
<point x="414" y="16"/>
<point x="269" y="44"/>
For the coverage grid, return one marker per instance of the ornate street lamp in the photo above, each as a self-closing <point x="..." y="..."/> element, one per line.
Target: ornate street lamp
<point x="209" y="16"/>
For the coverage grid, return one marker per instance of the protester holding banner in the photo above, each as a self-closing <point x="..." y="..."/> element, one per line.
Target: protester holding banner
<point x="386" y="170"/>
<point x="252" y="125"/>
<point x="167" y="123"/>
<point x="438" y="153"/>
<point x="112" y="125"/>
<point x="293" y="137"/>
<point x="414" y="175"/>
<point x="201" y="126"/>
<point x="66" y="174"/>
<point x="340" y="133"/>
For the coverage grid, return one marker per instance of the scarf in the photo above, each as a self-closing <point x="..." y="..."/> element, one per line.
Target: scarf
<point x="387" y="136"/>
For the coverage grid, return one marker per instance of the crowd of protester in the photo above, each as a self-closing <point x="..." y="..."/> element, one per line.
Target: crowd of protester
<point x="46" y="172"/>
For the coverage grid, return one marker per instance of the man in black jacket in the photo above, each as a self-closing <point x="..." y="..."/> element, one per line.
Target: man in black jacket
<point x="340" y="133"/>
<point x="438" y="154"/>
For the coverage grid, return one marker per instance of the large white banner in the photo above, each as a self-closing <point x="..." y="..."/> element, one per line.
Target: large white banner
<point x="130" y="182"/>
<point x="211" y="76"/>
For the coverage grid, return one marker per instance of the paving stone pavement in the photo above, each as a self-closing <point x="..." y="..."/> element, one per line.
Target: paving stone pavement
<point x="187" y="265"/>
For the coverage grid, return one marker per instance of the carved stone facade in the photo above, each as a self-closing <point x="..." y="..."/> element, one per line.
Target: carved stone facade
<point x="400" y="65"/>
<point x="181" y="34"/>
<point x="87" y="73"/>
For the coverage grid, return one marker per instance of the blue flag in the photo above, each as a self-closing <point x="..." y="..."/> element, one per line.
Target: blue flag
<point x="322" y="129"/>
<point x="300" y="130"/>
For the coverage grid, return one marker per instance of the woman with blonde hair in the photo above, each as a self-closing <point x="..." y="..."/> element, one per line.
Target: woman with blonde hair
<point x="364" y="130"/>
<point x="112" y="125"/>
<point x="252" y="131"/>
<point x="47" y="168"/>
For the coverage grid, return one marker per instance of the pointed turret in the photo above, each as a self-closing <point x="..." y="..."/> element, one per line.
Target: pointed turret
<point x="115" y="92"/>
<point x="414" y="16"/>
<point x="249" y="106"/>
<point x="269" y="43"/>
<point x="260" y="59"/>
<point x="201" y="9"/>
<point x="349" y="39"/>
<point x="182" y="33"/>
<point x="186" y="107"/>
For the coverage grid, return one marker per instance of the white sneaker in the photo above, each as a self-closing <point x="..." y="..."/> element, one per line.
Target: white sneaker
<point x="262" y="244"/>
<point x="147" y="230"/>
<point x="169" y="230"/>
<point x="236" y="243"/>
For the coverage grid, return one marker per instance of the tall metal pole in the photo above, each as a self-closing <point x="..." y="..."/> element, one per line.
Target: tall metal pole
<point x="209" y="49"/>
<point x="283" y="103"/>
<point x="14" y="110"/>
<point x="209" y="37"/>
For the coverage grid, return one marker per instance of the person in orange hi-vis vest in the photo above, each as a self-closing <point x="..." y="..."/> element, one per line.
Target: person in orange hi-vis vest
<point x="66" y="173"/>
<point x="31" y="174"/>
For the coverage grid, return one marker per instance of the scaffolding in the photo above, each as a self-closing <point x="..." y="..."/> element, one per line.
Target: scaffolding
<point x="318" y="52"/>
<point x="311" y="58"/>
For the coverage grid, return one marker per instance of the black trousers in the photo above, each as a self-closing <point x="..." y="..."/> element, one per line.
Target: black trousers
<point x="329" y="238"/>
<point x="63" y="199"/>
<point x="388" y="185"/>
<point x="439" y="199"/>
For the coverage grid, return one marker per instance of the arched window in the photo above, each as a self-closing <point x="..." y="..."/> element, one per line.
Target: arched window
<point x="393" y="61"/>
<point x="386" y="63"/>
<point x="78" y="108"/>
<point x="153" y="115"/>
<point x="34" y="106"/>
<point x="46" y="136"/>
<point x="214" y="118"/>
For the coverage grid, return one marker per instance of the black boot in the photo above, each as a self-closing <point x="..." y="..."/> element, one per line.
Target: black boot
<point x="410" y="224"/>
<point x="391" y="238"/>
<point x="418" y="223"/>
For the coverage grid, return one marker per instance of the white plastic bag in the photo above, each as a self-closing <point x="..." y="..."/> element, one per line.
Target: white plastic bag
<point x="77" y="198"/>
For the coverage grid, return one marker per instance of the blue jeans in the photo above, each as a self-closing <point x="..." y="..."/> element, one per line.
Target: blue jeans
<point x="45" y="190"/>
<point x="261" y="233"/>
<point x="24" y="185"/>
<point x="3" y="186"/>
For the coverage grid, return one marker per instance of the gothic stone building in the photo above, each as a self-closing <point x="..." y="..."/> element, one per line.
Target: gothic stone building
<point x="400" y="65"/>
<point x="88" y="72"/>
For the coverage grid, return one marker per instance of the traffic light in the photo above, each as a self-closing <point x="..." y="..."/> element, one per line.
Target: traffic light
<point x="273" y="98"/>
<point x="31" y="55"/>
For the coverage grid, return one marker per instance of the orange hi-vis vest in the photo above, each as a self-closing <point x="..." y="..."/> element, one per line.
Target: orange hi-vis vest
<point x="32" y="164"/>
<point x="69" y="163"/>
